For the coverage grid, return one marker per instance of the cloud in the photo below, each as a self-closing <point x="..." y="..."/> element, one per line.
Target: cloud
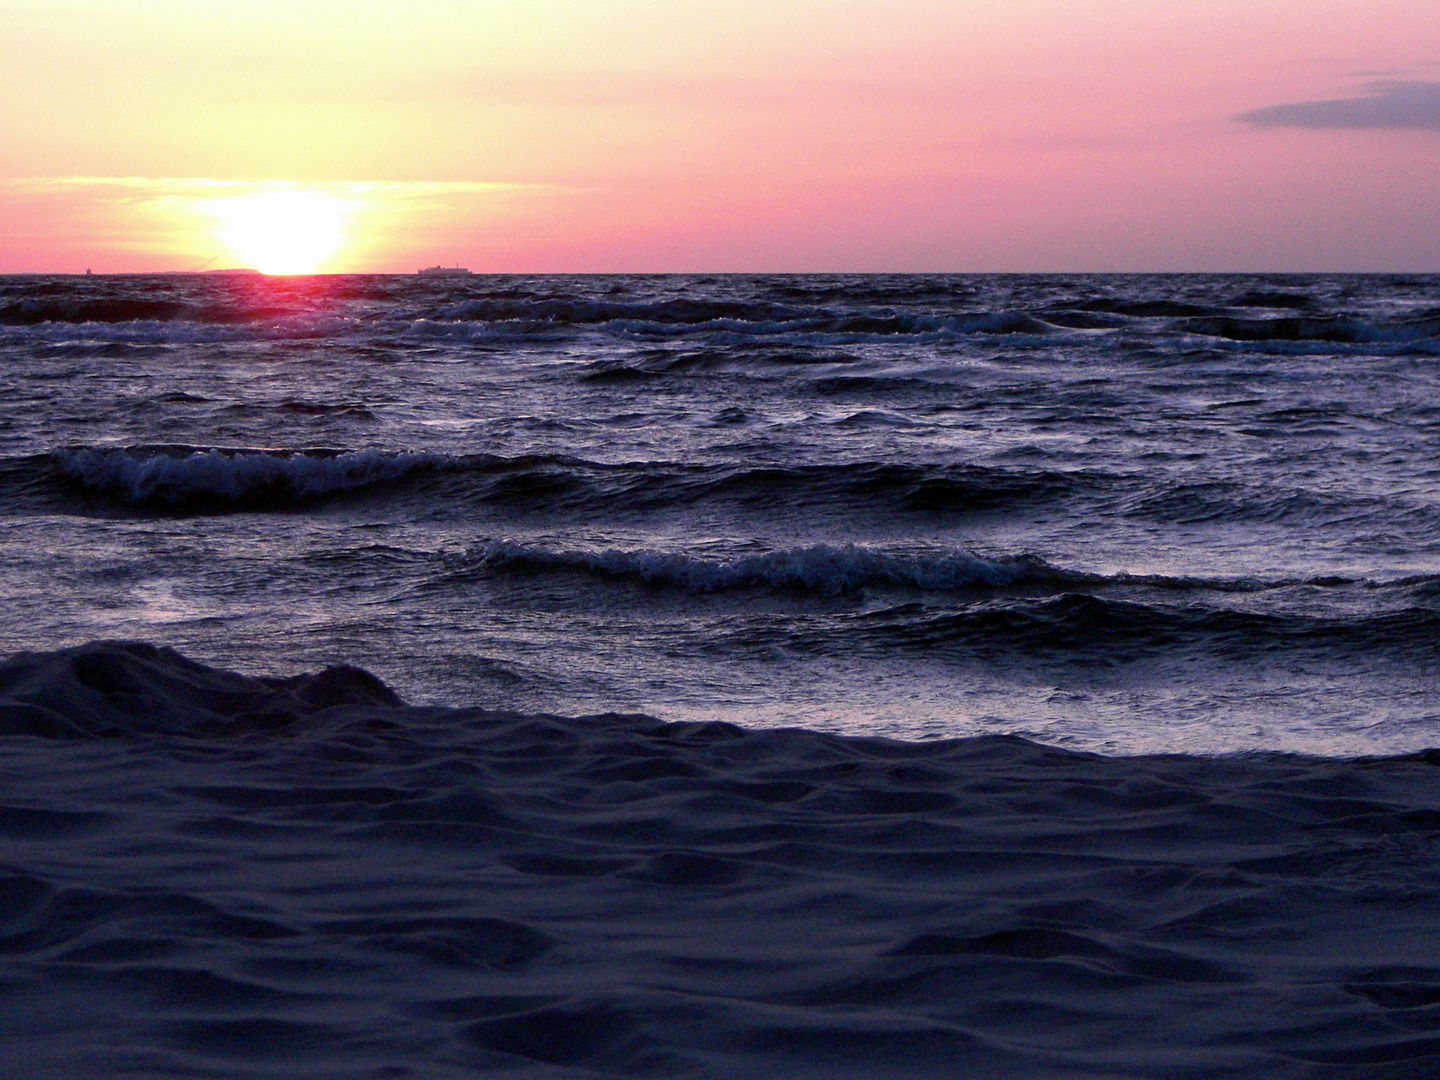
<point x="1397" y="105"/>
<point x="184" y="187"/>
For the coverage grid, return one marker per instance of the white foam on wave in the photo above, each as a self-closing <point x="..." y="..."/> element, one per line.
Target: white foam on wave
<point x="823" y="568"/>
<point x="144" y="475"/>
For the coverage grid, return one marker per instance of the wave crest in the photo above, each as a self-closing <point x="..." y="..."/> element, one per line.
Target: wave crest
<point x="199" y="477"/>
<point x="826" y="569"/>
<point x="177" y="474"/>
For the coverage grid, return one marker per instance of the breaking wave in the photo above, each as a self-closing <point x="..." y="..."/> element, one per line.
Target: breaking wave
<point x="837" y="569"/>
<point x="188" y="477"/>
<point x="197" y="479"/>
<point x="821" y="568"/>
<point x="179" y="473"/>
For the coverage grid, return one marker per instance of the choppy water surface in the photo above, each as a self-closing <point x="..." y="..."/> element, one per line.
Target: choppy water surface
<point x="1124" y="514"/>
<point x="1192" y="515"/>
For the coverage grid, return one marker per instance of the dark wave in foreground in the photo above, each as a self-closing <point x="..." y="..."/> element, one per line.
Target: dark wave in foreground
<point x="208" y="872"/>
<point x="112" y="689"/>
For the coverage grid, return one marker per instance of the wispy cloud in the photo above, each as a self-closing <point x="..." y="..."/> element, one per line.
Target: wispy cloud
<point x="171" y="187"/>
<point x="1398" y="105"/>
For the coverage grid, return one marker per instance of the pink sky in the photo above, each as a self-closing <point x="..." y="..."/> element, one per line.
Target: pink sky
<point x="559" y="135"/>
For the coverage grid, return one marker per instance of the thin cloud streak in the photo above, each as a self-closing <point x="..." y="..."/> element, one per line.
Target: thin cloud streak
<point x="1413" y="106"/>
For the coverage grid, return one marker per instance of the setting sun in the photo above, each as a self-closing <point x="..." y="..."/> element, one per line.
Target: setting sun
<point x="282" y="232"/>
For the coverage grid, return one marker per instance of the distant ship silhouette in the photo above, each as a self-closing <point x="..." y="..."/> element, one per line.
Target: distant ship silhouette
<point x="443" y="271"/>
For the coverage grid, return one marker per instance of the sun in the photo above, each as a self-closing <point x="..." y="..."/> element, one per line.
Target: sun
<point x="282" y="232"/>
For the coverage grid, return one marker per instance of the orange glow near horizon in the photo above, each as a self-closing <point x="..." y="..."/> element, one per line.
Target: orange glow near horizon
<point x="282" y="232"/>
<point x="134" y="224"/>
<point x="721" y="135"/>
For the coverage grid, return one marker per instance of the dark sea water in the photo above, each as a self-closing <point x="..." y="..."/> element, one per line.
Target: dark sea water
<point x="1113" y="513"/>
<point x="1189" y="524"/>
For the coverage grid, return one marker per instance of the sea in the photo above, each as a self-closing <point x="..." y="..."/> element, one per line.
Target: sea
<point x="757" y="675"/>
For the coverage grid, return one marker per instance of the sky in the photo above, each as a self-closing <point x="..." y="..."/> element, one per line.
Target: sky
<point x="735" y="136"/>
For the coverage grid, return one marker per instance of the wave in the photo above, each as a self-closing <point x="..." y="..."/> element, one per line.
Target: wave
<point x="751" y="317"/>
<point x="1217" y="501"/>
<point x="139" y="325"/>
<point x="642" y="365"/>
<point x="180" y="474"/>
<point x="1103" y="630"/>
<point x="737" y="324"/>
<point x="1149" y="309"/>
<point x="1018" y="609"/>
<point x="636" y="898"/>
<point x="840" y="569"/>
<point x="860" y="309"/>
<point x="180" y="477"/>
<point x="74" y="312"/>
<point x="87" y="335"/>
<point x="825" y="569"/>
<point x="1264" y="298"/>
<point x="1334" y="330"/>
<point x="825" y="313"/>
<point x="107" y="689"/>
<point x="31" y="312"/>
<point x="678" y="312"/>
<point x="198" y="479"/>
